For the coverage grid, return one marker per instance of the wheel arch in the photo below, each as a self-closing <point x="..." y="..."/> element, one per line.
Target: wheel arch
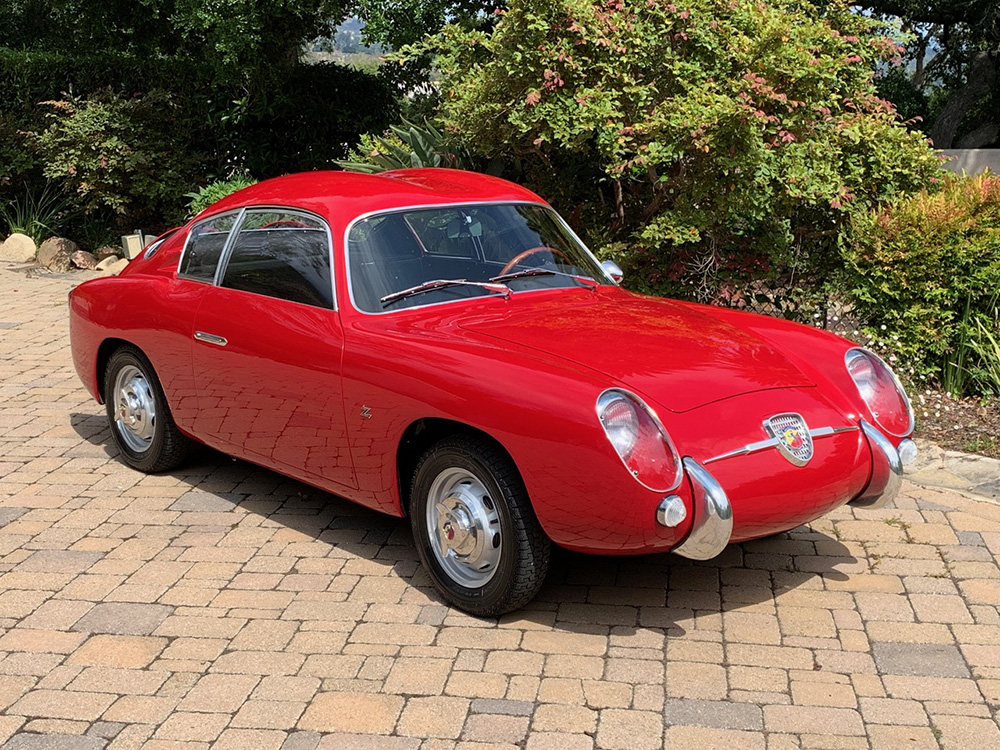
<point x="420" y="435"/>
<point x="104" y="352"/>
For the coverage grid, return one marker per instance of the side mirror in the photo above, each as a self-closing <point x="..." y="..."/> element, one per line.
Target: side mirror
<point x="611" y="269"/>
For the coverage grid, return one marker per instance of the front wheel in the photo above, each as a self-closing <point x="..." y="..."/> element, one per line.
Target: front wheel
<point x="140" y="419"/>
<point x="474" y="527"/>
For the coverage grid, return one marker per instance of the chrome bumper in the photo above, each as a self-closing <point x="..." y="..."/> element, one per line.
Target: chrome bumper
<point x="887" y="471"/>
<point x="712" y="525"/>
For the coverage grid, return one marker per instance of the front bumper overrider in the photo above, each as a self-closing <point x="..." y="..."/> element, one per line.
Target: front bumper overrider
<point x="712" y="522"/>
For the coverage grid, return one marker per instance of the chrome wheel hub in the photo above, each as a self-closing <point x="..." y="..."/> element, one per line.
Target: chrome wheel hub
<point x="135" y="408"/>
<point x="464" y="527"/>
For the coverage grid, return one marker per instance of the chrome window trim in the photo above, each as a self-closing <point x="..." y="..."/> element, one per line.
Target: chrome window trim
<point x="187" y="243"/>
<point x="656" y="419"/>
<point x="895" y="380"/>
<point x="460" y="204"/>
<point x="238" y="227"/>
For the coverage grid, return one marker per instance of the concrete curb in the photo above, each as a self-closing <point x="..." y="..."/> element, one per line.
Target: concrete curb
<point x="976" y="476"/>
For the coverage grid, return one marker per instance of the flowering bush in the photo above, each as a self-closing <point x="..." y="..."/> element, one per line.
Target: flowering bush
<point x="925" y="279"/>
<point x="697" y="141"/>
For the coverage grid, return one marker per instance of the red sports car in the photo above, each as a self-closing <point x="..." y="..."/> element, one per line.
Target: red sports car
<point x="439" y="344"/>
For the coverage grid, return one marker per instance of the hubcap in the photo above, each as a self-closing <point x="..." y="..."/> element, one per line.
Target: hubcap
<point x="464" y="527"/>
<point x="135" y="408"/>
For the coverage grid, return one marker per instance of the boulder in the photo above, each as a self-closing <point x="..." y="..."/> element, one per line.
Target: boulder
<point x="18" y="248"/>
<point x="111" y="266"/>
<point x="106" y="252"/>
<point x="84" y="260"/>
<point x="55" y="254"/>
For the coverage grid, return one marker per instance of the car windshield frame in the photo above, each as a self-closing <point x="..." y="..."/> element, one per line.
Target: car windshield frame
<point x="601" y="276"/>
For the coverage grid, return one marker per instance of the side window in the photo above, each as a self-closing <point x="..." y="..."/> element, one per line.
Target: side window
<point x="281" y="255"/>
<point x="204" y="247"/>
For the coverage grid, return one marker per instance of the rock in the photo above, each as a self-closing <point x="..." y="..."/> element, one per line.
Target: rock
<point x="111" y="266"/>
<point x="106" y="252"/>
<point x="18" y="248"/>
<point x="83" y="259"/>
<point x="55" y="254"/>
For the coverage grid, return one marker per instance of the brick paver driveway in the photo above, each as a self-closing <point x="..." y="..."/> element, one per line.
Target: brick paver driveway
<point x="224" y="606"/>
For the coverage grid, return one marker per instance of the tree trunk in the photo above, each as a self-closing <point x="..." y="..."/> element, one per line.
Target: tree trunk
<point x="982" y="74"/>
<point x="982" y="136"/>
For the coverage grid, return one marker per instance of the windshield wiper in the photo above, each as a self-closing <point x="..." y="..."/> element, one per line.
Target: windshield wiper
<point x="429" y="286"/>
<point x="585" y="280"/>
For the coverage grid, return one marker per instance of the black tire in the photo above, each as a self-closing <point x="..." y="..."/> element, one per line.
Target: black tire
<point x="521" y="544"/>
<point x="166" y="447"/>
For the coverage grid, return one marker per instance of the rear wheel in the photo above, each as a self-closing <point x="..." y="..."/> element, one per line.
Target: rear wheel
<point x="474" y="527"/>
<point x="140" y="419"/>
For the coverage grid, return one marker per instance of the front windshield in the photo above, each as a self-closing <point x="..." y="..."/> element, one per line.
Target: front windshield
<point x="523" y="246"/>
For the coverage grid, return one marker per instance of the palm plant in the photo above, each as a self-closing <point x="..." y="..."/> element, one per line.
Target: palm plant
<point x="39" y="215"/>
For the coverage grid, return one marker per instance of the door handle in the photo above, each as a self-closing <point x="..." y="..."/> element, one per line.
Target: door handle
<point x="210" y="338"/>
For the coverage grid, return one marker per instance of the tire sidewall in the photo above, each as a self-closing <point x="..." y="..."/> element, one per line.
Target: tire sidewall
<point x="123" y="358"/>
<point x="497" y="588"/>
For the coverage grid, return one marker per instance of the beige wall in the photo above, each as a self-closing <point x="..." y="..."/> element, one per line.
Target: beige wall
<point x="973" y="160"/>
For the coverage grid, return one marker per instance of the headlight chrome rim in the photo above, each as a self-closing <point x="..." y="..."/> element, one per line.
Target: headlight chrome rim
<point x="860" y="351"/>
<point x="637" y="403"/>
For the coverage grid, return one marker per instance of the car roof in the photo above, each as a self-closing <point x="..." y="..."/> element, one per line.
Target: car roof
<point x="342" y="196"/>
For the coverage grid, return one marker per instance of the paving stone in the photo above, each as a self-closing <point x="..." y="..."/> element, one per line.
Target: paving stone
<point x="717" y="714"/>
<point x="54" y="742"/>
<point x="302" y="741"/>
<point x="352" y="713"/>
<point x="59" y="561"/>
<point x="123" y="618"/>
<point x="9" y="514"/>
<point x="222" y="606"/>
<point x="920" y="659"/>
<point x="503" y="707"/>
<point x="206" y="502"/>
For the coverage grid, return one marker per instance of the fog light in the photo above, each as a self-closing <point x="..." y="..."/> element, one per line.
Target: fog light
<point x="671" y="511"/>
<point x="907" y="452"/>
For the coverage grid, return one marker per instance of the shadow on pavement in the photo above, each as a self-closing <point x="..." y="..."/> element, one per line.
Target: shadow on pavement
<point x="583" y="593"/>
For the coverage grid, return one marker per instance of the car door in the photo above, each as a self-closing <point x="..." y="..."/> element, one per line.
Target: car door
<point x="268" y="350"/>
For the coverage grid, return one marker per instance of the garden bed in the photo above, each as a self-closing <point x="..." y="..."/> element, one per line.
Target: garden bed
<point x="969" y="425"/>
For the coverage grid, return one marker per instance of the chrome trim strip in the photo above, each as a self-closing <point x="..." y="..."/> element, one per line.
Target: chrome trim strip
<point x="712" y="525"/>
<point x="887" y="471"/>
<point x="461" y="204"/>
<point x="210" y="338"/>
<point x="762" y="445"/>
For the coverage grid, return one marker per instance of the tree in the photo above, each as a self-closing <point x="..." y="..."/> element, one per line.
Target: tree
<point x="695" y="139"/>
<point x="955" y="58"/>
<point x="395" y="23"/>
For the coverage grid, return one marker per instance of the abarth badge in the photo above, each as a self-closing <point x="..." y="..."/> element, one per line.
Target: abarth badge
<point x="791" y="437"/>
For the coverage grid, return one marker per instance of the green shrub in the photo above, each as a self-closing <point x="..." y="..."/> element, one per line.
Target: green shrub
<point x="924" y="279"/>
<point x="216" y="191"/>
<point x="698" y="142"/>
<point x="115" y="153"/>
<point x="307" y="120"/>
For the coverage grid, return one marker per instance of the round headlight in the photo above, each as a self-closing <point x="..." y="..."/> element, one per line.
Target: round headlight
<point x="881" y="391"/>
<point x="620" y="422"/>
<point x="639" y="440"/>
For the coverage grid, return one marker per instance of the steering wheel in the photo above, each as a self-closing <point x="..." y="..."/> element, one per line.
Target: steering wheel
<point x="531" y="251"/>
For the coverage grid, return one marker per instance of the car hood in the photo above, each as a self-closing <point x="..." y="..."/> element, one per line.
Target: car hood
<point x="679" y="354"/>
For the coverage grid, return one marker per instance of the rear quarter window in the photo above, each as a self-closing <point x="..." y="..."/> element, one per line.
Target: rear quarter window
<point x="204" y="247"/>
